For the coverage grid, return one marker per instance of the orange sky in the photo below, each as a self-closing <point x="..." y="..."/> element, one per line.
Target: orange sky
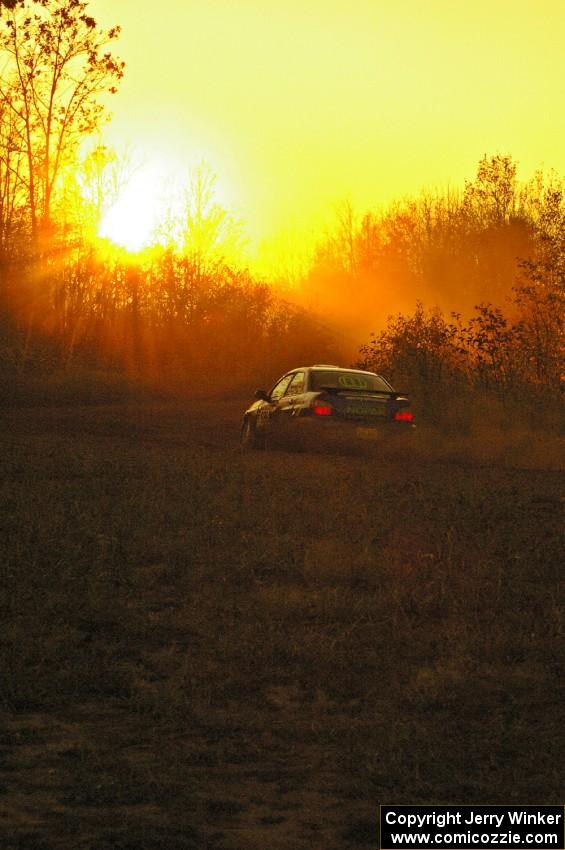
<point x="299" y="105"/>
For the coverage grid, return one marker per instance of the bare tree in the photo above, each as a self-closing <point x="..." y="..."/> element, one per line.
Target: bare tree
<point x="56" y="66"/>
<point x="493" y="196"/>
<point x="12" y="182"/>
<point x="207" y="234"/>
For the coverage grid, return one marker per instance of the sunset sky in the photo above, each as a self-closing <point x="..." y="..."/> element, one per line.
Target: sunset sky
<point x="297" y="105"/>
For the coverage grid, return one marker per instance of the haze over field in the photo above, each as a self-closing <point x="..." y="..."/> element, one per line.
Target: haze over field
<point x="281" y="173"/>
<point x="297" y="106"/>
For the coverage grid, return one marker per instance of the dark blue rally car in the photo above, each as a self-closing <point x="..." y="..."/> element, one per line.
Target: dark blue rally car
<point x="318" y="405"/>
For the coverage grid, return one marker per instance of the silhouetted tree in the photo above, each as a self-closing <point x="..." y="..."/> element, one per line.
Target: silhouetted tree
<point x="492" y="196"/>
<point x="12" y="181"/>
<point x="56" y="67"/>
<point x="199" y="227"/>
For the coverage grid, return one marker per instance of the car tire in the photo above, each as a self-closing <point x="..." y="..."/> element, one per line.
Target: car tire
<point x="250" y="437"/>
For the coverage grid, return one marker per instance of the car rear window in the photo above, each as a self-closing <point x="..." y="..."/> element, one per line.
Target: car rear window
<point x="349" y="381"/>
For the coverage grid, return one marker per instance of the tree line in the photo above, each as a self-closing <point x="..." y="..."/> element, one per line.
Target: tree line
<point x="489" y="263"/>
<point x="182" y="315"/>
<point x="488" y="260"/>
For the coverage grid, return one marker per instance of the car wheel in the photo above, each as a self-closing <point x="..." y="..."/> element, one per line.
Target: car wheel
<point x="250" y="437"/>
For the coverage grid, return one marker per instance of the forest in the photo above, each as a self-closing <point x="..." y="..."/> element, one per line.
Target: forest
<point x="463" y="286"/>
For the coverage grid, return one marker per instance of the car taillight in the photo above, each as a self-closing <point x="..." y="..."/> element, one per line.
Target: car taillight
<point x="320" y="408"/>
<point x="403" y="416"/>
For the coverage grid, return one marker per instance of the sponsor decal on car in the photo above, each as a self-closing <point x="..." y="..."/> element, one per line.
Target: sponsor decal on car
<point x="353" y="382"/>
<point x="365" y="410"/>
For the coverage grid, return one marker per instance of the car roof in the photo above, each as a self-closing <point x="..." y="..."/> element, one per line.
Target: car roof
<point x="328" y="367"/>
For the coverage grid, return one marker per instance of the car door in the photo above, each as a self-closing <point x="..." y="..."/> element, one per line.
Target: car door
<point x="285" y="422"/>
<point x="291" y="402"/>
<point x="270" y="411"/>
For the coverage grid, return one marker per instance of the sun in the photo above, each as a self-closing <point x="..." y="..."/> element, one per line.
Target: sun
<point x="132" y="221"/>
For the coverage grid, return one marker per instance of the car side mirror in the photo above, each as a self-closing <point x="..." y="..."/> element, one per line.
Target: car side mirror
<point x="262" y="395"/>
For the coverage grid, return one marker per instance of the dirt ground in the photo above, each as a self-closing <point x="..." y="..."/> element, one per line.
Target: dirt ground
<point x="205" y="648"/>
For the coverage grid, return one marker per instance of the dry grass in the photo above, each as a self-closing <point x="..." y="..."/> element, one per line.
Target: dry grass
<point x="209" y="649"/>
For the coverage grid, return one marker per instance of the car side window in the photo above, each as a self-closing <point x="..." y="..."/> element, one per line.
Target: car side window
<point x="279" y="389"/>
<point x="296" y="385"/>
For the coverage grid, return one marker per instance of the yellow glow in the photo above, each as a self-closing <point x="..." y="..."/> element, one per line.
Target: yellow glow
<point x="165" y="203"/>
<point x="132" y="220"/>
<point x="299" y="105"/>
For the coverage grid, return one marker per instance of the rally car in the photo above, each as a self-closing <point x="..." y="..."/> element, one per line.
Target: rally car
<point x="324" y="404"/>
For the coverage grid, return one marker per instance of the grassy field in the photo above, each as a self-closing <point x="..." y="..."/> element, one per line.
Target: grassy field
<point x="212" y="650"/>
